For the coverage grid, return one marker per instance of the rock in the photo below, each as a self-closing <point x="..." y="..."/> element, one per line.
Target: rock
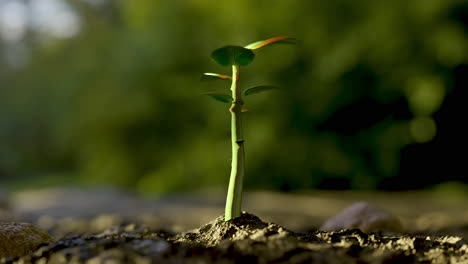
<point x="19" y="239"/>
<point x="362" y="215"/>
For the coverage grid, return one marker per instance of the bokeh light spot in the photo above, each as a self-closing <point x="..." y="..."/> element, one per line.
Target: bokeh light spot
<point x="423" y="129"/>
<point x="425" y="95"/>
<point x="55" y="17"/>
<point x="13" y="18"/>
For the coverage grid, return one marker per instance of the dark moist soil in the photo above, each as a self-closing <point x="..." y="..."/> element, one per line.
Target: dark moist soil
<point x="247" y="239"/>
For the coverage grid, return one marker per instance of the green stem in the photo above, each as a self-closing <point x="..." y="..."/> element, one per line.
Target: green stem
<point x="234" y="195"/>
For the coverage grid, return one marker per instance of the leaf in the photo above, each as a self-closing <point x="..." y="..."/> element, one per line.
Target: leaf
<point x="208" y="76"/>
<point x="275" y="40"/>
<point x="259" y="89"/>
<point x="233" y="55"/>
<point x="225" y="98"/>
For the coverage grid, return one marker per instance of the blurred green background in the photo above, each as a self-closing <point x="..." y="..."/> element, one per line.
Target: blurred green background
<point x="108" y="92"/>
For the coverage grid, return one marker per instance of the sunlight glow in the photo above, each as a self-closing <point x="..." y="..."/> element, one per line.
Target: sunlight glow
<point x="54" y="17"/>
<point x="13" y="20"/>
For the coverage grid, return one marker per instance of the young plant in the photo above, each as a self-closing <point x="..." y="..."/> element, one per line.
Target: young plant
<point x="237" y="56"/>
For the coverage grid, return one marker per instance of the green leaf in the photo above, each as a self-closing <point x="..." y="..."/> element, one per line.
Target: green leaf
<point x="225" y="98"/>
<point x="233" y="55"/>
<point x="259" y="89"/>
<point x="275" y="40"/>
<point x="208" y="76"/>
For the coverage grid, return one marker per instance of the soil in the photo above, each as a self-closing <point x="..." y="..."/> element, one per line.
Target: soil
<point x="247" y="239"/>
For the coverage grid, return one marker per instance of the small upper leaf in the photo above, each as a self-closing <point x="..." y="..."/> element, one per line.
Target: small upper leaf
<point x="233" y="55"/>
<point x="275" y="40"/>
<point x="208" y="76"/>
<point x="259" y="89"/>
<point x="225" y="98"/>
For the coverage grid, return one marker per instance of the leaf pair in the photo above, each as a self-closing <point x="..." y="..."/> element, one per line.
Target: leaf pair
<point x="233" y="55"/>
<point x="225" y="98"/>
<point x="243" y="56"/>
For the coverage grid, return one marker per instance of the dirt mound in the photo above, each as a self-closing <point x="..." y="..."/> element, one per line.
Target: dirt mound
<point x="247" y="226"/>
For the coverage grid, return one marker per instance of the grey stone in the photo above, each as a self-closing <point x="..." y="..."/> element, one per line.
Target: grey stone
<point x="363" y="216"/>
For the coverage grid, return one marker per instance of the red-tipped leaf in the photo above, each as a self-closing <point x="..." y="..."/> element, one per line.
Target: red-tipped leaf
<point x="209" y="76"/>
<point x="275" y="40"/>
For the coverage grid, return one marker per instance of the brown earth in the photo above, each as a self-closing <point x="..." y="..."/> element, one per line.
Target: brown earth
<point x="154" y="231"/>
<point x="248" y="240"/>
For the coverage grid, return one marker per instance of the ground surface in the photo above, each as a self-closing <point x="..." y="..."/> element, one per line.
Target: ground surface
<point x="120" y="228"/>
<point x="248" y="240"/>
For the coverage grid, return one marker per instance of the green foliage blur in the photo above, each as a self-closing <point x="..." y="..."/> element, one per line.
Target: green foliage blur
<point x="115" y="97"/>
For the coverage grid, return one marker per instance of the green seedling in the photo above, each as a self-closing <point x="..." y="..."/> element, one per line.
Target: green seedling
<point x="237" y="56"/>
